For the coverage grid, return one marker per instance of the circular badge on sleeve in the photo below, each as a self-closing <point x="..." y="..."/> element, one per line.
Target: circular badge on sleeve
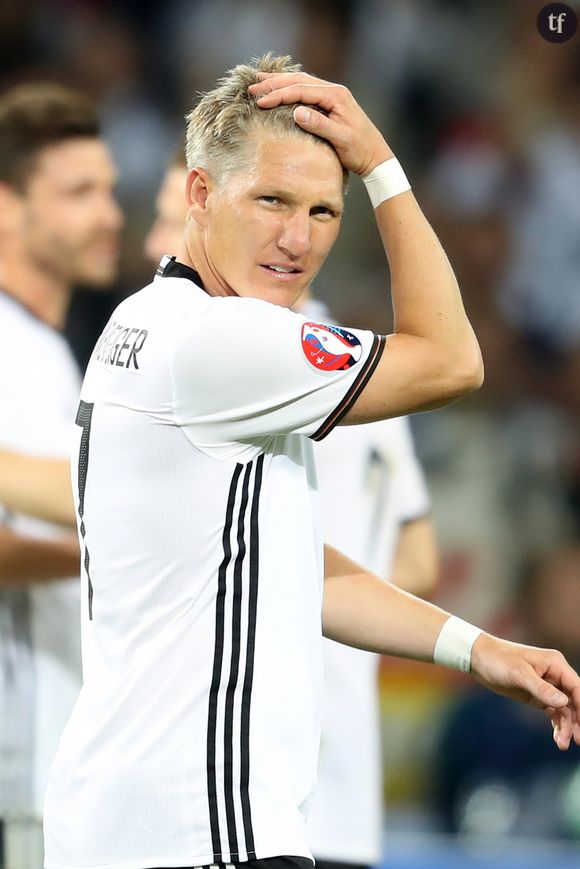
<point x="330" y="348"/>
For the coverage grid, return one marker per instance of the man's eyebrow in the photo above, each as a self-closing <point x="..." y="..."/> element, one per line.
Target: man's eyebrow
<point x="288" y="196"/>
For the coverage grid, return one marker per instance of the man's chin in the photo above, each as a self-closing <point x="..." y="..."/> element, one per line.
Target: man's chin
<point x="97" y="276"/>
<point x="95" y="281"/>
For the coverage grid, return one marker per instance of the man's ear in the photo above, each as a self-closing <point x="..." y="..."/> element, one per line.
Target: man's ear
<point x="198" y="187"/>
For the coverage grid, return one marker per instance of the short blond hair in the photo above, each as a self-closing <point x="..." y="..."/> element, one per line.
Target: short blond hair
<point x="219" y="126"/>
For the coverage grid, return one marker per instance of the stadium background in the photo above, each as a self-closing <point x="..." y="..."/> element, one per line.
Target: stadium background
<point x="485" y="116"/>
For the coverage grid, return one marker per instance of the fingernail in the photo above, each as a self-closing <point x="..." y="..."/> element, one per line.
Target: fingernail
<point x="302" y="114"/>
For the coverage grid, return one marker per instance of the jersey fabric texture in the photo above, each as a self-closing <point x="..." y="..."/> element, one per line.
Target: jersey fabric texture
<point x="195" y="737"/>
<point x="40" y="672"/>
<point x="370" y="483"/>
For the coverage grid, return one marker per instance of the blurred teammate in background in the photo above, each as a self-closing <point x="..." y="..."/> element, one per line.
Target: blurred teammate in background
<point x="59" y="225"/>
<point x="166" y="234"/>
<point x="37" y="485"/>
<point x="374" y="505"/>
<point x="40" y="485"/>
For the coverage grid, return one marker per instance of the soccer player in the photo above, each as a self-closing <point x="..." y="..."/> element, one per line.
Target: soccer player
<point x="387" y="528"/>
<point x="59" y="225"/>
<point x="194" y="739"/>
<point x="39" y="485"/>
<point x="166" y="234"/>
<point x="392" y="534"/>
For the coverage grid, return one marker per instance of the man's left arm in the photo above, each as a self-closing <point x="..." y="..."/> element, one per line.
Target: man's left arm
<point x="361" y="610"/>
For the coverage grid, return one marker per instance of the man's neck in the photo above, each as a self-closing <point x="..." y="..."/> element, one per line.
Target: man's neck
<point x="44" y="295"/>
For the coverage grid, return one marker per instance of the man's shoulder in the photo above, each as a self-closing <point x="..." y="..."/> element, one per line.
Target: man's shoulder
<point x="167" y="296"/>
<point x="24" y="334"/>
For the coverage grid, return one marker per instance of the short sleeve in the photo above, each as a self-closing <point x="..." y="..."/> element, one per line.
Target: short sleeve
<point x="413" y="496"/>
<point x="245" y="369"/>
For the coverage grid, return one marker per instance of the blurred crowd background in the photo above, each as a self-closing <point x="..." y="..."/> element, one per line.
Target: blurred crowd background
<point x="485" y="116"/>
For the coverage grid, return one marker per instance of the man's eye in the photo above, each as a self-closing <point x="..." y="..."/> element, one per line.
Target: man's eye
<point x="271" y="200"/>
<point x="322" y="210"/>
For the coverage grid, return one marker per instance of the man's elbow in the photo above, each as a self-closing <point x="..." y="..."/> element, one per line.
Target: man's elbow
<point x="472" y="373"/>
<point x="466" y="373"/>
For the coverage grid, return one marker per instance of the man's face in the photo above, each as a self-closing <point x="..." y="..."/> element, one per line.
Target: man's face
<point x="166" y="234"/>
<point x="69" y="220"/>
<point x="269" y="229"/>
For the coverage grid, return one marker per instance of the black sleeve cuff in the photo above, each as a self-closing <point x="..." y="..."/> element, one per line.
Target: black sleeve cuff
<point x="355" y="390"/>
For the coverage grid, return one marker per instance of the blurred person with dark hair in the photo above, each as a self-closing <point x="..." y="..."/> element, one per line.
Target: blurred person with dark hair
<point x="59" y="225"/>
<point x="495" y="773"/>
<point x="40" y="485"/>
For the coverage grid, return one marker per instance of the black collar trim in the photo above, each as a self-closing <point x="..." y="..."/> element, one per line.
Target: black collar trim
<point x="170" y="268"/>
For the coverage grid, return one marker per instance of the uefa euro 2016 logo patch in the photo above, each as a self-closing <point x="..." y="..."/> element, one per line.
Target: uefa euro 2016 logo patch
<point x="329" y="348"/>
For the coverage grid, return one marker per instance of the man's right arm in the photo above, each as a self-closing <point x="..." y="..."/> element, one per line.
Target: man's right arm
<point x="29" y="559"/>
<point x="433" y="356"/>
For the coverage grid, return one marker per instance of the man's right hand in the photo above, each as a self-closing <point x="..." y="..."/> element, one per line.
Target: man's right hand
<point x="540" y="677"/>
<point x="359" y="144"/>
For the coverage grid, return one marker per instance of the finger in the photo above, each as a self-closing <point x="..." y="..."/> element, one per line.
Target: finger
<point x="576" y="731"/>
<point x="325" y="96"/>
<point x="291" y="77"/>
<point x="279" y="80"/>
<point x="563" y="727"/>
<point x="563" y="676"/>
<point x="319" y="124"/>
<point x="541" y="691"/>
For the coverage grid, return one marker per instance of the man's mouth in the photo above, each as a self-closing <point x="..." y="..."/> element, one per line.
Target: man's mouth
<point x="281" y="270"/>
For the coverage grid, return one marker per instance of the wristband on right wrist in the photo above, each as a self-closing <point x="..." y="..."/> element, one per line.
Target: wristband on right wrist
<point x="454" y="644"/>
<point x="385" y="181"/>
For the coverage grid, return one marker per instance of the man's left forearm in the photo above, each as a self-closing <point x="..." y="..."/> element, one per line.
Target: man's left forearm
<point x="363" y="611"/>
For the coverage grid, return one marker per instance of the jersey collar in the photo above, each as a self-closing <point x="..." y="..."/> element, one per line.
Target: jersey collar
<point x="170" y="268"/>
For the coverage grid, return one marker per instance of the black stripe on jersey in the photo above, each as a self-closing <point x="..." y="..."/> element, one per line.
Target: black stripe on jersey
<point x="83" y="419"/>
<point x="249" y="674"/>
<point x="217" y="669"/>
<point x="234" y="673"/>
<point x="355" y="390"/>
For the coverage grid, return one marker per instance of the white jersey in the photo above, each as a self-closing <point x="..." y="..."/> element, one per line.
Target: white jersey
<point x="195" y="737"/>
<point x="40" y="671"/>
<point x="370" y="484"/>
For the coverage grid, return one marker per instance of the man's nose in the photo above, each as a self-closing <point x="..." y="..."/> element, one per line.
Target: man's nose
<point x="111" y="214"/>
<point x="294" y="238"/>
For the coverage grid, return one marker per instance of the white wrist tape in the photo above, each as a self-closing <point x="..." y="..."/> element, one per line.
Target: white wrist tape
<point x="454" y="644"/>
<point x="385" y="181"/>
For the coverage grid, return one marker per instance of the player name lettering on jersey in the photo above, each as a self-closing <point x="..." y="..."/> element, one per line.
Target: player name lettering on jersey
<point x="119" y="345"/>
